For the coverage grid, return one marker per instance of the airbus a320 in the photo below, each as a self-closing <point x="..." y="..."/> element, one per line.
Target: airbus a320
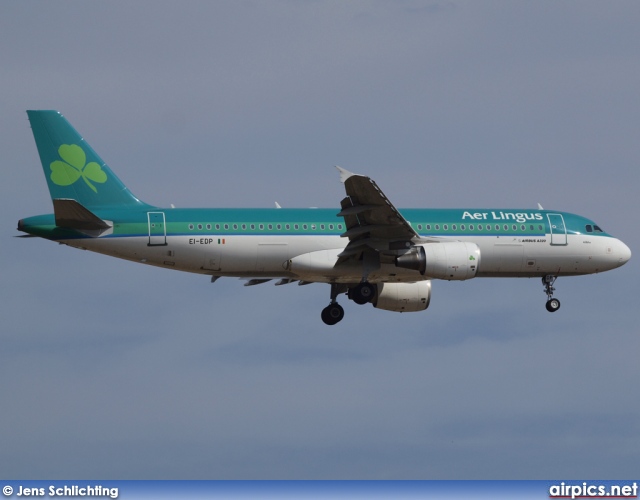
<point x="368" y="249"/>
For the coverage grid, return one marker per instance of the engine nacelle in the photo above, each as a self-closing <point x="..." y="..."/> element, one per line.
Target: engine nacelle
<point x="403" y="297"/>
<point x="449" y="260"/>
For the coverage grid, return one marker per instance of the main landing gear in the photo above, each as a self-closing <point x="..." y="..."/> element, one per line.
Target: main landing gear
<point x="552" y="304"/>
<point x="334" y="312"/>
<point x="361" y="294"/>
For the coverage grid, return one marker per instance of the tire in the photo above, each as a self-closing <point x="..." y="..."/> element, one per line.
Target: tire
<point x="363" y="293"/>
<point x="553" y="305"/>
<point x="332" y="314"/>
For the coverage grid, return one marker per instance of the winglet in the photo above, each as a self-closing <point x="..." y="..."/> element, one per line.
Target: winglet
<point x="540" y="207"/>
<point x="344" y="174"/>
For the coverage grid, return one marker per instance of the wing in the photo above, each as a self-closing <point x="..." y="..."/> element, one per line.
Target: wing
<point x="372" y="222"/>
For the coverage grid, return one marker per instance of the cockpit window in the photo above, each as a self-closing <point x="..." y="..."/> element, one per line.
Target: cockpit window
<point x="598" y="230"/>
<point x="589" y="228"/>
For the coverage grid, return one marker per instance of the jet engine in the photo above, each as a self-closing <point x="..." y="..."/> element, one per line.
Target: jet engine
<point x="449" y="260"/>
<point x="403" y="297"/>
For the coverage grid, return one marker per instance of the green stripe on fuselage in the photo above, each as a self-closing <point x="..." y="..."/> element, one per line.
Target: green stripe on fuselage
<point x="454" y="223"/>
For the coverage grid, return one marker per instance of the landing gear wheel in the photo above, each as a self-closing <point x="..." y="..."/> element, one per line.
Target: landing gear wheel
<point x="553" y="305"/>
<point x="332" y="314"/>
<point x="363" y="293"/>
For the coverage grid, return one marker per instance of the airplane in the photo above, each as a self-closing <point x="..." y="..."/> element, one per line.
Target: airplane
<point x="368" y="250"/>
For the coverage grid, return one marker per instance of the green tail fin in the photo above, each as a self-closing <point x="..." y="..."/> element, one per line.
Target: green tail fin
<point x="72" y="168"/>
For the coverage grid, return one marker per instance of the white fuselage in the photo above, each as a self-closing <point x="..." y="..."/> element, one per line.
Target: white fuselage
<point x="269" y="256"/>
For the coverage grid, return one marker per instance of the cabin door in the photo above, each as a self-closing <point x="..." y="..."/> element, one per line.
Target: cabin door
<point x="558" y="229"/>
<point x="157" y="229"/>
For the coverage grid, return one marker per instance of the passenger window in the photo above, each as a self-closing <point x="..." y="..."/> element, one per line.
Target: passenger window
<point x="428" y="227"/>
<point x="340" y="226"/>
<point x="278" y="227"/>
<point x="261" y="227"/>
<point x="304" y="226"/>
<point x="295" y="226"/>
<point x="217" y="226"/>
<point x="235" y="226"/>
<point x="270" y="226"/>
<point x="462" y="227"/>
<point x="208" y="227"/>
<point x="253" y="226"/>
<point x="437" y="227"/>
<point x="321" y="226"/>
<point x="244" y="226"/>
<point x="330" y="226"/>
<point x="454" y="227"/>
<point x="200" y="226"/>
<point x="287" y="227"/>
<point x="226" y="226"/>
<point x="445" y="227"/>
<point x="190" y="227"/>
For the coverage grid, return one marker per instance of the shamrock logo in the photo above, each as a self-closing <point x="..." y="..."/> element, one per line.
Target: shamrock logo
<point x="74" y="166"/>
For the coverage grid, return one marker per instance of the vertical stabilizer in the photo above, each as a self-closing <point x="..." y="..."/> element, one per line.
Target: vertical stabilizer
<point x="72" y="168"/>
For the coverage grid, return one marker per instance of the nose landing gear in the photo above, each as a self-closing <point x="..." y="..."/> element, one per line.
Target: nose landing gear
<point x="552" y="304"/>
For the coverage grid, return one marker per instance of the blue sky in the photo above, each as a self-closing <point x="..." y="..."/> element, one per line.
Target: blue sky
<point x="116" y="370"/>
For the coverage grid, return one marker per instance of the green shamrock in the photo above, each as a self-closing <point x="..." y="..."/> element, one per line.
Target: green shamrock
<point x="74" y="166"/>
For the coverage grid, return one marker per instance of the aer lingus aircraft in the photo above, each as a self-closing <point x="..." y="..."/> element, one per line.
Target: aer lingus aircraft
<point x="368" y="249"/>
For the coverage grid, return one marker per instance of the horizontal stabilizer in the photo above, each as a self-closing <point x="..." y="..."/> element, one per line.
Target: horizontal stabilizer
<point x="72" y="215"/>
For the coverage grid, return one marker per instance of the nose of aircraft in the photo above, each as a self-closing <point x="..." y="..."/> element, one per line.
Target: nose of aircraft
<point x="622" y="252"/>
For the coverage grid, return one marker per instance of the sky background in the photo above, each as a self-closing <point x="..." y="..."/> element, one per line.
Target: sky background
<point x="114" y="370"/>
